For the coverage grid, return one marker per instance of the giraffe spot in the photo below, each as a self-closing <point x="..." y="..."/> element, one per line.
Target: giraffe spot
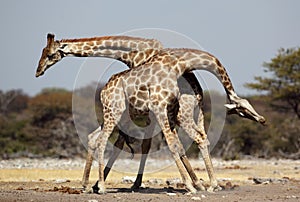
<point x="99" y="43"/>
<point x="133" y="73"/>
<point x="164" y="93"/>
<point x="116" y="91"/>
<point x="131" y="80"/>
<point x="149" y="52"/>
<point x="143" y="88"/>
<point x="90" y="43"/>
<point x="173" y="63"/>
<point x="161" y="74"/>
<point x="155" y="102"/>
<point x="130" y="90"/>
<point x="142" y="95"/>
<point x="125" y="56"/>
<point x="145" y="78"/>
<point x="95" y="48"/>
<point x="167" y="59"/>
<point x="159" y="59"/>
<point x="212" y="66"/>
<point x="80" y="45"/>
<point x="218" y="62"/>
<point x="132" y="99"/>
<point x="139" y="103"/>
<point x="107" y="44"/>
<point x="141" y="46"/>
<point x="221" y="70"/>
<point x="147" y="71"/>
<point x="86" y="48"/>
<point x="139" y="57"/>
<point x="115" y="43"/>
<point x="205" y="57"/>
<point x="132" y="45"/>
<point x="157" y="89"/>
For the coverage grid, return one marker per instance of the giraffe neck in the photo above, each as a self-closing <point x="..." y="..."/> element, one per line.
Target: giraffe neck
<point x="132" y="51"/>
<point x="191" y="59"/>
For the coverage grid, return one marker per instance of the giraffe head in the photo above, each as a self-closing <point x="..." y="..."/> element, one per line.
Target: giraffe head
<point x="50" y="55"/>
<point x="244" y="109"/>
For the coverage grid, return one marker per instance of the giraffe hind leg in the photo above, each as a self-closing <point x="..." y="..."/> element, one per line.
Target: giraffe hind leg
<point x="162" y="118"/>
<point x="146" y="144"/>
<point x="118" y="146"/>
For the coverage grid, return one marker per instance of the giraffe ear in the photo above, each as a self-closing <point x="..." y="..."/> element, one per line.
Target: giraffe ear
<point x="230" y="106"/>
<point x="50" y="39"/>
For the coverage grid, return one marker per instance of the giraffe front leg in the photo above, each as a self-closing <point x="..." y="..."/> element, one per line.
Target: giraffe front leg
<point x="99" y="187"/>
<point x="87" y="170"/>
<point x="89" y="159"/>
<point x="101" y="142"/>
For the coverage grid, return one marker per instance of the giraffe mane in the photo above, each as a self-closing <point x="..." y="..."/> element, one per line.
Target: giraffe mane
<point x="105" y="38"/>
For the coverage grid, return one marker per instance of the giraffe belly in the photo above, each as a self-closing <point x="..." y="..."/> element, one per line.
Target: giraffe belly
<point x="138" y="105"/>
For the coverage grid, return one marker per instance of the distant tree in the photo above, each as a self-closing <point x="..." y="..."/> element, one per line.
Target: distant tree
<point x="283" y="84"/>
<point x="13" y="101"/>
<point x="50" y="104"/>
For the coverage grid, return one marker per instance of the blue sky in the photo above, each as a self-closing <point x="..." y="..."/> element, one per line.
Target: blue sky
<point x="242" y="34"/>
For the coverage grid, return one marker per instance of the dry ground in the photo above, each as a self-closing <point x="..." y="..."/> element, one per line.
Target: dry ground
<point x="59" y="180"/>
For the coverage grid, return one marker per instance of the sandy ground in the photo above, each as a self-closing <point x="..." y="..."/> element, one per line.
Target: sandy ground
<point x="59" y="180"/>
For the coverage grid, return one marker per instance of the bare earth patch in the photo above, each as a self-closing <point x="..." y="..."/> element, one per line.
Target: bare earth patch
<point x="59" y="180"/>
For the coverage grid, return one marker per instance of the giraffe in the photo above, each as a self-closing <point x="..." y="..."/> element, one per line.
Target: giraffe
<point x="132" y="51"/>
<point x="153" y="87"/>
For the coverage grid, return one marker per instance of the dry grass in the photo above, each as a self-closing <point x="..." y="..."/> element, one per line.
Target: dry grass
<point x="238" y="171"/>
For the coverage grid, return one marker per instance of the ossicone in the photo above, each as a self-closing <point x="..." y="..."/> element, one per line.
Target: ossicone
<point x="50" y="38"/>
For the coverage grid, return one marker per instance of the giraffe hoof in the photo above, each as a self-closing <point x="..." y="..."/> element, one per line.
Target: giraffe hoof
<point x="199" y="187"/>
<point x="137" y="187"/>
<point x="214" y="189"/>
<point x="88" y="190"/>
<point x="101" y="192"/>
<point x="97" y="188"/>
<point x="218" y="188"/>
<point x="191" y="189"/>
<point x="210" y="189"/>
